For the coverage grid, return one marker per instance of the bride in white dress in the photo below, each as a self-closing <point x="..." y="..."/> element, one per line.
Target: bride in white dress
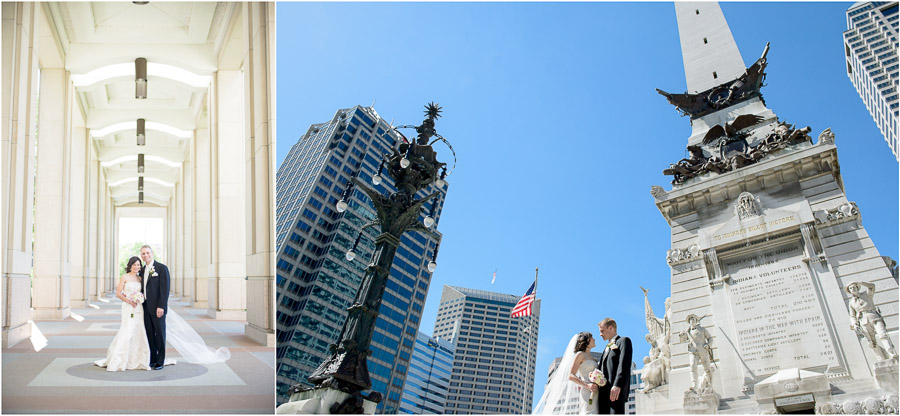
<point x="129" y="349"/>
<point x="570" y="386"/>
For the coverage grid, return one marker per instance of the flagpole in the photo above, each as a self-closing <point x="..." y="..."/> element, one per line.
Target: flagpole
<point x="527" y="345"/>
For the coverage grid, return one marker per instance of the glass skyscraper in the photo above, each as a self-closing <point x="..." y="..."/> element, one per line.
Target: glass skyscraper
<point x="493" y="368"/>
<point x="870" y="43"/>
<point x="428" y="378"/>
<point x="315" y="282"/>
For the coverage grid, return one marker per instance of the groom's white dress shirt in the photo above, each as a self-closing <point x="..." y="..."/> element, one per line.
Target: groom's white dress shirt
<point x="147" y="274"/>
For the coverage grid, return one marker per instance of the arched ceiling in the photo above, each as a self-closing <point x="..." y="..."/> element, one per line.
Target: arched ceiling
<point x="181" y="41"/>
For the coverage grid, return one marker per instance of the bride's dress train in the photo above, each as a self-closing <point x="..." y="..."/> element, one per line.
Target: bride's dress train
<point x="129" y="349"/>
<point x="189" y="343"/>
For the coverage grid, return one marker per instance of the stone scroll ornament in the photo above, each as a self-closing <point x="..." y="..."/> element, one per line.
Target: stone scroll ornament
<point x="844" y="211"/>
<point x="866" y="319"/>
<point x="680" y="255"/>
<point x="658" y="364"/>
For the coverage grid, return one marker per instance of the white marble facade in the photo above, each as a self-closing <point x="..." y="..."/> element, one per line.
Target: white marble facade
<point x="763" y="253"/>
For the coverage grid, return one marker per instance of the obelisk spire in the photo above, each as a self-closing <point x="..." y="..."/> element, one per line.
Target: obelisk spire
<point x="711" y="57"/>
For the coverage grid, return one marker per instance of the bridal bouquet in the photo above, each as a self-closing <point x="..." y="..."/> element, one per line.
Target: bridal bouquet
<point x="597" y="378"/>
<point x="136" y="297"/>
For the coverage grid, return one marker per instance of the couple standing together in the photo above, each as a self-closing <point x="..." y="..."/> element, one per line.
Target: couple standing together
<point x="597" y="388"/>
<point x="140" y="343"/>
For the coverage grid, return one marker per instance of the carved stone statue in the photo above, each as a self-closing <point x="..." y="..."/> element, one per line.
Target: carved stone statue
<point x="698" y="339"/>
<point x="826" y="136"/>
<point x="866" y="319"/>
<point x="659" y="334"/>
<point x="652" y="374"/>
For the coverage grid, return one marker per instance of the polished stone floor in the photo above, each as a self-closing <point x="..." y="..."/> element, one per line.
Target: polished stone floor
<point x="54" y="371"/>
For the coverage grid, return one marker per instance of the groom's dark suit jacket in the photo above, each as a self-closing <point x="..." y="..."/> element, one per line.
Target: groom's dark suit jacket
<point x="616" y="366"/>
<point x="156" y="294"/>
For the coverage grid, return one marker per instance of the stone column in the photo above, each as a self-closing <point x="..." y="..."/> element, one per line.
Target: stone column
<point x="201" y="236"/>
<point x="259" y="99"/>
<point x="52" y="267"/>
<point x="112" y="230"/>
<point x="20" y="75"/>
<point x="92" y="250"/>
<point x="187" y="270"/>
<point x="227" y="284"/>
<point x="78" y="241"/>
<point x="177" y="254"/>
<point x="103" y="227"/>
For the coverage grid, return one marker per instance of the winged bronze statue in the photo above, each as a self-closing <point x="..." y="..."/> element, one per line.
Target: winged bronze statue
<point x="731" y="130"/>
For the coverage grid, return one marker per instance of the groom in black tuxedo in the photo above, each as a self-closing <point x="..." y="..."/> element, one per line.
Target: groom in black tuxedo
<point x="156" y="304"/>
<point x="616" y="367"/>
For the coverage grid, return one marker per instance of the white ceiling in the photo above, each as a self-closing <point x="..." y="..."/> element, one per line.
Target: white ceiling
<point x="103" y="37"/>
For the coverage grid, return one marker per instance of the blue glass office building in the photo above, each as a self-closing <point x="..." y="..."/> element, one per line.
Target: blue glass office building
<point x="316" y="283"/>
<point x="428" y="376"/>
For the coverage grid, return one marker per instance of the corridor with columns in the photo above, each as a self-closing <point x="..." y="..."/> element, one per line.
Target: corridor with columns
<point x="122" y="110"/>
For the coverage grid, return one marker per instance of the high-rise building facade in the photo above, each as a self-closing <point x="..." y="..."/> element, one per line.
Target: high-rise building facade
<point x="316" y="283"/>
<point x="870" y="43"/>
<point x="493" y="368"/>
<point x="425" y="391"/>
<point x="631" y="405"/>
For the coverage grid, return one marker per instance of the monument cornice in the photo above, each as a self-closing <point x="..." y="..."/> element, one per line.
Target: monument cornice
<point x="805" y="163"/>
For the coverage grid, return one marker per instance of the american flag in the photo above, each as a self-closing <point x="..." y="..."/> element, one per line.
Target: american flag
<point x="523" y="307"/>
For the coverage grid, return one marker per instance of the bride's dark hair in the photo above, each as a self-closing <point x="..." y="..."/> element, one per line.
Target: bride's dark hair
<point x="131" y="261"/>
<point x="584" y="338"/>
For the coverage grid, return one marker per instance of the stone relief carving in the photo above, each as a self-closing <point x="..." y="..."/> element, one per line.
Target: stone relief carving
<point x="658" y="364"/>
<point x="747" y="206"/>
<point x="886" y="405"/>
<point x="657" y="191"/>
<point x="680" y="255"/>
<point x="700" y="346"/>
<point x="866" y="319"/>
<point x="730" y="151"/>
<point x="845" y="210"/>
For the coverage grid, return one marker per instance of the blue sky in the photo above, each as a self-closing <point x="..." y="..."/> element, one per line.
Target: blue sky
<point x="553" y="113"/>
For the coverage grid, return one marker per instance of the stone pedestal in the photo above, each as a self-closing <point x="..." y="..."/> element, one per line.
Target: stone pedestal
<point x="319" y="401"/>
<point x="793" y="390"/>
<point x="701" y="403"/>
<point x="656" y="401"/>
<point x="887" y="375"/>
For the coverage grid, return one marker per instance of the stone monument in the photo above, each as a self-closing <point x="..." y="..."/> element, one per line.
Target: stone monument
<point x="800" y="311"/>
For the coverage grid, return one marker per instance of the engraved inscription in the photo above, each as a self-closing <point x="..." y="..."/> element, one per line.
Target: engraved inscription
<point x="778" y="318"/>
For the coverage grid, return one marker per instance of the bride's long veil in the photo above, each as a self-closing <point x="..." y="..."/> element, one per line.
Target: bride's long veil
<point x="189" y="344"/>
<point x="560" y="392"/>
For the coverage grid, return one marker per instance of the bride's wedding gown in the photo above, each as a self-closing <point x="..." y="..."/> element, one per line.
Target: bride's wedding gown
<point x="129" y="349"/>
<point x="584" y="372"/>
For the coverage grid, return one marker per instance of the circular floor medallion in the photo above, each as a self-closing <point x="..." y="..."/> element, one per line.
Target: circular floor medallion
<point x="178" y="371"/>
